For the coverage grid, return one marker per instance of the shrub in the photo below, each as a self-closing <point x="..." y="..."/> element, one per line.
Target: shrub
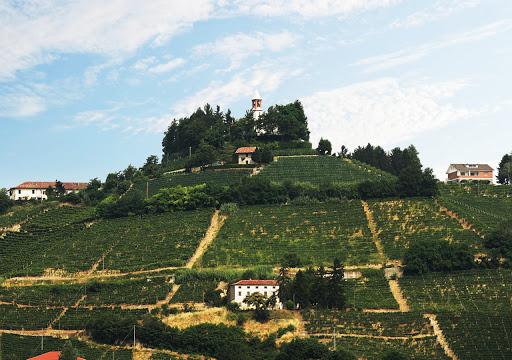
<point x="180" y="198"/>
<point x="291" y="260"/>
<point x="500" y="242"/>
<point x="131" y="203"/>
<point x="436" y="255"/>
<point x="229" y="208"/>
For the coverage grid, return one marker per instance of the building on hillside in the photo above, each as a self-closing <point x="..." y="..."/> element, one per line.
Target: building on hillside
<point x="36" y="190"/>
<point x="52" y="355"/>
<point x="245" y="155"/>
<point x="470" y="172"/>
<point x="256" y="107"/>
<point x="240" y="290"/>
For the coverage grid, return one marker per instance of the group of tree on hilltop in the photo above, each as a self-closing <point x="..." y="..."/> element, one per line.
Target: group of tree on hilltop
<point x="207" y="131"/>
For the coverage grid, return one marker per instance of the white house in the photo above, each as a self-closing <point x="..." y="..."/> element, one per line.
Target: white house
<point x="241" y="289"/>
<point x="245" y="155"/>
<point x="36" y="190"/>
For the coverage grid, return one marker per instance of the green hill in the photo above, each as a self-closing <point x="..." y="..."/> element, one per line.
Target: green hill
<point x="62" y="267"/>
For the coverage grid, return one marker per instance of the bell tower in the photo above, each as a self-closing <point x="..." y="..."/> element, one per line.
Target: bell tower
<point x="256" y="105"/>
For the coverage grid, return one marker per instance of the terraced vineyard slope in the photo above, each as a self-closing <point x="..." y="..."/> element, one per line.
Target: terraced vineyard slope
<point x="321" y="170"/>
<point x="261" y="235"/>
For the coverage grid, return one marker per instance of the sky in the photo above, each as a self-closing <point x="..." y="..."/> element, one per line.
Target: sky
<point x="89" y="86"/>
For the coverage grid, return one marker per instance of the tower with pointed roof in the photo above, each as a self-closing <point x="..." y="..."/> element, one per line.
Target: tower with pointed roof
<point x="256" y="105"/>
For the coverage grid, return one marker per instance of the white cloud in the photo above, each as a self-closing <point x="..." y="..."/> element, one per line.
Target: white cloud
<point x="167" y="66"/>
<point x="384" y="111"/>
<point x="303" y="8"/>
<point x="439" y="10"/>
<point x="21" y="105"/>
<point x="389" y="60"/>
<point x="33" y="33"/>
<point x="265" y="77"/>
<point x="240" y="46"/>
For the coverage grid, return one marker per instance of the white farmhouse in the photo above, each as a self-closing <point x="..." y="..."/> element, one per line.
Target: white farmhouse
<point x="245" y="155"/>
<point x="36" y="190"/>
<point x="241" y="289"/>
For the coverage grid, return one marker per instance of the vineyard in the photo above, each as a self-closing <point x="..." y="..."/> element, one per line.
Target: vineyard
<point x="475" y="291"/>
<point x="19" y="214"/>
<point x="261" y="235"/>
<point x="484" y="208"/>
<point x="402" y="222"/>
<point x="321" y="170"/>
<point x="133" y="243"/>
<point x="211" y="177"/>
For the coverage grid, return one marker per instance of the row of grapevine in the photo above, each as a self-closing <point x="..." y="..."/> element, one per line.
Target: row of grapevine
<point x="137" y="243"/>
<point x="361" y="323"/>
<point x="261" y="235"/>
<point x="320" y="170"/>
<point x="16" y="347"/>
<point x="402" y="222"/>
<point x="475" y="290"/>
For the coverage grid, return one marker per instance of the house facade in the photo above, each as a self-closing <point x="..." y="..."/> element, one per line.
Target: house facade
<point x="36" y="190"/>
<point x="470" y="172"/>
<point x="241" y="289"/>
<point x="245" y="155"/>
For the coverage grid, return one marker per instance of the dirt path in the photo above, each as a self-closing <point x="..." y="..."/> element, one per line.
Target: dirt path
<point x="440" y="336"/>
<point x="214" y="228"/>
<point x="381" y="311"/>
<point x="398" y="295"/>
<point x="63" y="334"/>
<point x="63" y="312"/>
<point x="372" y="225"/>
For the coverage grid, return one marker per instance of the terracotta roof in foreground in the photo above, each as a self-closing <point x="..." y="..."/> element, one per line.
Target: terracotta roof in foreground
<point x="52" y="355"/>
<point x="246" y="150"/>
<point x="257" y="282"/>
<point x="47" y="184"/>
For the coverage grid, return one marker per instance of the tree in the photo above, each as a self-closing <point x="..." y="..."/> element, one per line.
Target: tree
<point x="324" y="147"/>
<point x="5" y="201"/>
<point x="343" y="152"/>
<point x="437" y="255"/>
<point x="500" y="242"/>
<point x="150" y="168"/>
<point x="68" y="352"/>
<point x="261" y="305"/>
<point x="393" y="355"/>
<point x="504" y="176"/>
<point x="309" y="349"/>
<point x="291" y="260"/>
<point x="205" y="154"/>
<point x="59" y="188"/>
<point x="336" y="293"/>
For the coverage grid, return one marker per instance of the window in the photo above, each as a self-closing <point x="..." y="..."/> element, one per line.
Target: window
<point x="462" y="173"/>
<point x="265" y="293"/>
<point x="33" y="191"/>
<point x="474" y="173"/>
<point x="248" y="287"/>
<point x="239" y="293"/>
<point x="256" y="287"/>
<point x="19" y="191"/>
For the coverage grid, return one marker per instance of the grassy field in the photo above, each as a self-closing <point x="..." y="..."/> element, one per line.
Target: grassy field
<point x="402" y="222"/>
<point x="261" y="235"/>
<point x="320" y="170"/>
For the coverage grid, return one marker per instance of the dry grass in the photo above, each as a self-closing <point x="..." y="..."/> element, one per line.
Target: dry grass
<point x="210" y="315"/>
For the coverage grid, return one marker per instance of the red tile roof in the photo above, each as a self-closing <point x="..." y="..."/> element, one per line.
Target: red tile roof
<point x="257" y="282"/>
<point x="246" y="150"/>
<point x="52" y="355"/>
<point x="47" y="184"/>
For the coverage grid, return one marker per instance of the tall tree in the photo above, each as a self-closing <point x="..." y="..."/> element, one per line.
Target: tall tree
<point x="343" y="152"/>
<point x="5" y="201"/>
<point x="324" y="147"/>
<point x="59" y="188"/>
<point x="504" y="176"/>
<point x="336" y="294"/>
<point x="68" y="352"/>
<point x="150" y="167"/>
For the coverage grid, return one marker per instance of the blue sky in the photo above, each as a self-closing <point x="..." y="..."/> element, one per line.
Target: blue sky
<point x="88" y="87"/>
